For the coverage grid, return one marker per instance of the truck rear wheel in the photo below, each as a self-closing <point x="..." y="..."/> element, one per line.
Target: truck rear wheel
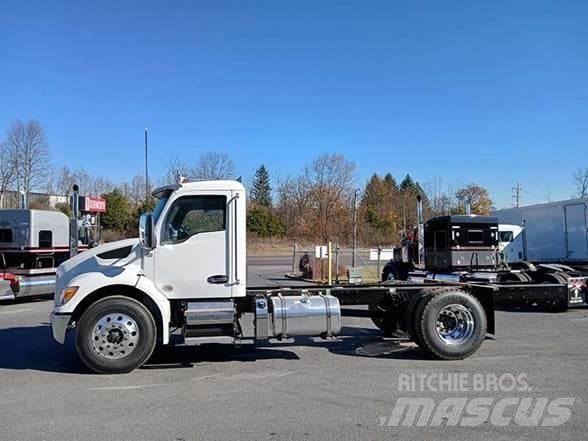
<point x="115" y="335"/>
<point x="450" y="324"/>
<point x="414" y="310"/>
<point x="560" y="278"/>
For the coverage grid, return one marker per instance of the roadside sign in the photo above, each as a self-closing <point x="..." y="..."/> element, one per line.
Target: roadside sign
<point x="321" y="251"/>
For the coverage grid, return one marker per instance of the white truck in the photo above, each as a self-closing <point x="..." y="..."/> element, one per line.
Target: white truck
<point x="556" y="232"/>
<point x="187" y="270"/>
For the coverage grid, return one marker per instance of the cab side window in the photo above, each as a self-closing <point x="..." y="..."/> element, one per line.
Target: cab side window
<point x="191" y="215"/>
<point x="5" y="235"/>
<point x="45" y="239"/>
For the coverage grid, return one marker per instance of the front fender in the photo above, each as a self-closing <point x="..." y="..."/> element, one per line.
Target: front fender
<point x="91" y="282"/>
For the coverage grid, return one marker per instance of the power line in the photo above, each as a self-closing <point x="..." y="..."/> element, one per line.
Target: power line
<point x="517" y="190"/>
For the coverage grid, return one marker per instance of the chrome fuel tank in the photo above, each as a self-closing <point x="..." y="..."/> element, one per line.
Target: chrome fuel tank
<point x="305" y="315"/>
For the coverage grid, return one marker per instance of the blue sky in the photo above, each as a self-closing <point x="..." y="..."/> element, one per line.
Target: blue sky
<point x="490" y="92"/>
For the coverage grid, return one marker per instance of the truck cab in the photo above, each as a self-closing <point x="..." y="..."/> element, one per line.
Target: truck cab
<point x="459" y="242"/>
<point x="510" y="243"/>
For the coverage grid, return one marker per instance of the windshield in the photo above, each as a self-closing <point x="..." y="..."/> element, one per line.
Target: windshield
<point x="159" y="206"/>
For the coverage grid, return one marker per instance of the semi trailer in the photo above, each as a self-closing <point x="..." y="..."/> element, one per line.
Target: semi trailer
<point x="187" y="271"/>
<point x="551" y="233"/>
<point x="472" y="249"/>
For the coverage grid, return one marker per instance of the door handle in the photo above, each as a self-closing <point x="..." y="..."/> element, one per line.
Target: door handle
<point x="218" y="279"/>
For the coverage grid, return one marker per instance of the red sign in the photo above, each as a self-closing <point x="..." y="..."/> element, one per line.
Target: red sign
<point x="93" y="204"/>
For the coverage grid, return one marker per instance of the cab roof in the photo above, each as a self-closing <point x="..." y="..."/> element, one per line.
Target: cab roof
<point x="195" y="185"/>
<point x="465" y="219"/>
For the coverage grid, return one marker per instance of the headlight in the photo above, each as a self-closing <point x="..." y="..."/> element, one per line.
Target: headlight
<point x="68" y="293"/>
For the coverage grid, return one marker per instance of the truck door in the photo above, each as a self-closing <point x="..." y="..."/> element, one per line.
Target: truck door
<point x="576" y="231"/>
<point x="192" y="257"/>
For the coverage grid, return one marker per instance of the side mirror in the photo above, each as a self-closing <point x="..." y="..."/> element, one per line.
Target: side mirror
<point x="146" y="231"/>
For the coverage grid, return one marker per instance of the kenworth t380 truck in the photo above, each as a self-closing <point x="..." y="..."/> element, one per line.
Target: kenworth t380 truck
<point x="187" y="270"/>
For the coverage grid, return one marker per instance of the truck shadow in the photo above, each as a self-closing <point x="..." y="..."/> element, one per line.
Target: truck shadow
<point x="33" y="348"/>
<point x="355" y="342"/>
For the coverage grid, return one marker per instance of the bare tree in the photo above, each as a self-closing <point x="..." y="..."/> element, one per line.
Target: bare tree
<point x="98" y="185"/>
<point x="176" y="168"/>
<point x="293" y="205"/>
<point x="330" y="177"/>
<point x="67" y="178"/>
<point x="6" y="171"/>
<point x="580" y="179"/>
<point x="28" y="146"/>
<point x="214" y="165"/>
<point x="136" y="189"/>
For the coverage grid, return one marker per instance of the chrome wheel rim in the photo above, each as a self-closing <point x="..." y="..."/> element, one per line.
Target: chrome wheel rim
<point x="455" y="324"/>
<point x="115" y="336"/>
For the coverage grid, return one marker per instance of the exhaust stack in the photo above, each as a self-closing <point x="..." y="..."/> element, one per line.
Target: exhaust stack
<point x="24" y="203"/>
<point x="420" y="232"/>
<point x="73" y="222"/>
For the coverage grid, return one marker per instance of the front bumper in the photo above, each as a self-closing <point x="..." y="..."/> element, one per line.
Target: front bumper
<point x="59" y="324"/>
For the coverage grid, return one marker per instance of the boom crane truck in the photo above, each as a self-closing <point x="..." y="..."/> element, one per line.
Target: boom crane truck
<point x="187" y="270"/>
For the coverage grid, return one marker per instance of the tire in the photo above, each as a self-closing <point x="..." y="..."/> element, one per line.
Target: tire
<point x="561" y="278"/>
<point x="411" y="313"/>
<point x="115" y="335"/>
<point x="444" y="310"/>
<point x="389" y="273"/>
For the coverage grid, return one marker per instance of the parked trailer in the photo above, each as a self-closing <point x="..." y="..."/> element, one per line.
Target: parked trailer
<point x="556" y="232"/>
<point x="187" y="270"/>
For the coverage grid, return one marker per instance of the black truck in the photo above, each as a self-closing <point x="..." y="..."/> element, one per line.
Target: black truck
<point x="464" y="249"/>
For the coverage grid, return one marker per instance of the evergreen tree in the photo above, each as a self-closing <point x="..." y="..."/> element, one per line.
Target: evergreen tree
<point x="264" y="223"/>
<point x="377" y="210"/>
<point x="261" y="193"/>
<point x="407" y="184"/>
<point x="390" y="182"/>
<point x="118" y="213"/>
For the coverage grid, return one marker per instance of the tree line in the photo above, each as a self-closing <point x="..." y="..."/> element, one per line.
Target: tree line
<point x="323" y="201"/>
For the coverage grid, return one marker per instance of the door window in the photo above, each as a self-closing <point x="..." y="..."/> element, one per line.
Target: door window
<point x="45" y="239"/>
<point x="440" y="240"/>
<point x="191" y="215"/>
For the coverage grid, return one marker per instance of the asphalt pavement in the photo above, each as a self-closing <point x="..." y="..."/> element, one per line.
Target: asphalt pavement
<point x="308" y="388"/>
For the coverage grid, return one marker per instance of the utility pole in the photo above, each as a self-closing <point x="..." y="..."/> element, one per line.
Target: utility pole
<point x="517" y="194"/>
<point x="354" y="229"/>
<point x="146" y="168"/>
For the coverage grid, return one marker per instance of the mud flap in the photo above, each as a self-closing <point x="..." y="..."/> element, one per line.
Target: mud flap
<point x="577" y="291"/>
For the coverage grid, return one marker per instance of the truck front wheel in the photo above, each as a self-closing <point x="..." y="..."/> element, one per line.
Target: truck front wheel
<point x="115" y="335"/>
<point x="451" y="325"/>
